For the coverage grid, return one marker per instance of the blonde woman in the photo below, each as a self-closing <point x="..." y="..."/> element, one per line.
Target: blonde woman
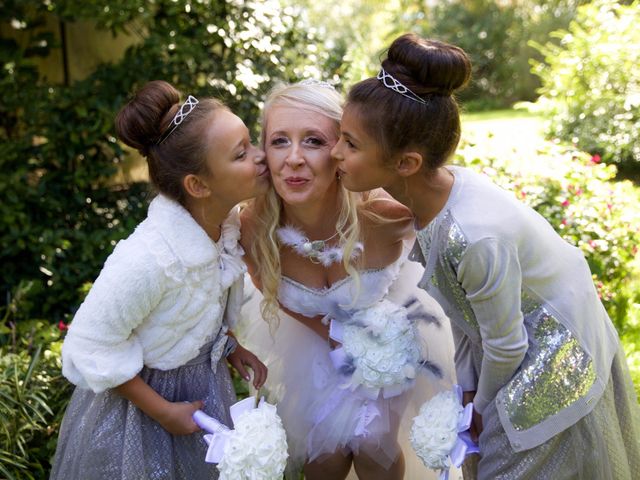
<point x="311" y="247"/>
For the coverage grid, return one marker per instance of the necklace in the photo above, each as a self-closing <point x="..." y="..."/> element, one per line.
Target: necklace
<point x="317" y="251"/>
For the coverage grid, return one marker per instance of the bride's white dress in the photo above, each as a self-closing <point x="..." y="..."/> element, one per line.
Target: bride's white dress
<point x="319" y="416"/>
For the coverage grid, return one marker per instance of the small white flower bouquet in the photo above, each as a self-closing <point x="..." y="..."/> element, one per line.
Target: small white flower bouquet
<point x="379" y="350"/>
<point x="256" y="449"/>
<point x="439" y="433"/>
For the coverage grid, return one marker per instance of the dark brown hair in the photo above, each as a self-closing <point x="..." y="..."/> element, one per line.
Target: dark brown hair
<point x="433" y="70"/>
<point x="147" y="116"/>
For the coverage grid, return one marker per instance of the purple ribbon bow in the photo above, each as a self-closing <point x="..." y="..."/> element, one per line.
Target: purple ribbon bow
<point x="464" y="445"/>
<point x="218" y="432"/>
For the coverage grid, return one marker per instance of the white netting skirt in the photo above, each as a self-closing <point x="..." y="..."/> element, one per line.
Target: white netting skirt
<point x="319" y="416"/>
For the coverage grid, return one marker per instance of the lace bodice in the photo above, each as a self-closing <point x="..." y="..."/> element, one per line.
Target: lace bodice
<point x="309" y="301"/>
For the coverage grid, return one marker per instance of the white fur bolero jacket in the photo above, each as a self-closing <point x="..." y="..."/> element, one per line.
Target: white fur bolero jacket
<point x="158" y="299"/>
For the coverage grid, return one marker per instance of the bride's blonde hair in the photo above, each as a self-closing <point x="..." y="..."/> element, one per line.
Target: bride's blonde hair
<point x="267" y="210"/>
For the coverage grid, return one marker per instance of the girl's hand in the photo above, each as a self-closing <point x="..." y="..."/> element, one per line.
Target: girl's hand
<point x="476" y="422"/>
<point x="476" y="426"/>
<point x="241" y="358"/>
<point x="177" y="417"/>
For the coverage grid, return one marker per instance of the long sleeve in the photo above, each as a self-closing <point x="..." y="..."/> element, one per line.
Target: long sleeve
<point x="490" y="274"/>
<point x="101" y="350"/>
<point x="465" y="372"/>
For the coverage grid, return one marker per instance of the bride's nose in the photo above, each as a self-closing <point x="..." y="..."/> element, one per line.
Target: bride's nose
<point x="295" y="158"/>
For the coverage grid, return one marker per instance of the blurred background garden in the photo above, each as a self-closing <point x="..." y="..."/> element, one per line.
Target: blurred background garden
<point x="552" y="114"/>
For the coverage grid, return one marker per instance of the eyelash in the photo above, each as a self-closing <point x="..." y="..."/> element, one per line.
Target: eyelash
<point x="278" y="141"/>
<point x="313" y="141"/>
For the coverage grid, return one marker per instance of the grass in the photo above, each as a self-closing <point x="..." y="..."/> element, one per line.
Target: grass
<point x="513" y="134"/>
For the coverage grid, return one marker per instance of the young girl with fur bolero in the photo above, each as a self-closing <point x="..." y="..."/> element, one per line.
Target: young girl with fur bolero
<point x="148" y="347"/>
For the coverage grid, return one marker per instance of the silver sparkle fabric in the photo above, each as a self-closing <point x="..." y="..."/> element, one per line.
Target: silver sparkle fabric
<point x="104" y="436"/>
<point x="451" y="243"/>
<point x="603" y="445"/>
<point x="555" y="372"/>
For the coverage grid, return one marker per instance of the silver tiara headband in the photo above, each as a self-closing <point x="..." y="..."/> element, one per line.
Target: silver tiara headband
<point x="185" y="109"/>
<point x="390" y="82"/>
<point x="318" y="83"/>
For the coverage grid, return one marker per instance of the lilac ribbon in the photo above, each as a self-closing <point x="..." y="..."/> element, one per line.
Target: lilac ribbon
<point x="218" y="432"/>
<point x="464" y="445"/>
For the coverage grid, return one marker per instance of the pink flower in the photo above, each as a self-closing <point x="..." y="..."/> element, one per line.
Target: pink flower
<point x="596" y="159"/>
<point x="565" y="203"/>
<point x="564" y="221"/>
<point x="62" y="326"/>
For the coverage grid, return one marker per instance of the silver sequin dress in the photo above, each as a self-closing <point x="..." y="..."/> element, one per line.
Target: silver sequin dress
<point x="532" y="339"/>
<point x="104" y="436"/>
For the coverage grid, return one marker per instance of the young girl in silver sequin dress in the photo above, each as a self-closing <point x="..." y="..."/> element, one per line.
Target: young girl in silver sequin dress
<point x="535" y="349"/>
<point x="149" y="345"/>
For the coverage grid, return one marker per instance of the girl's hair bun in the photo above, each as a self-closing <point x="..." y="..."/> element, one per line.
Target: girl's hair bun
<point x="140" y="122"/>
<point x="427" y="66"/>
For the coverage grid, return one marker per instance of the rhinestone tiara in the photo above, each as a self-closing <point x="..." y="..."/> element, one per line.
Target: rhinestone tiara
<point x="391" y="83"/>
<point x="185" y="109"/>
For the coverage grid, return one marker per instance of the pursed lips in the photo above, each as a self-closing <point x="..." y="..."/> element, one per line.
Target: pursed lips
<point x="295" y="181"/>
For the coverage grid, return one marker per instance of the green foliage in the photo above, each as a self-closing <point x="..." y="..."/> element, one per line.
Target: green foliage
<point x="33" y="394"/>
<point x="591" y="82"/>
<point x="495" y="35"/>
<point x="60" y="211"/>
<point x="587" y="208"/>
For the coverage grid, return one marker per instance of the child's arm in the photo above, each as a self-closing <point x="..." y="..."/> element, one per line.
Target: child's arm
<point x="175" y="417"/>
<point x="241" y="358"/>
<point x="491" y="276"/>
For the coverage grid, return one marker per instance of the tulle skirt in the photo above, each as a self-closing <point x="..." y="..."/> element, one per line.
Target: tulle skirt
<point x="603" y="445"/>
<point x="104" y="436"/>
<point x="320" y="416"/>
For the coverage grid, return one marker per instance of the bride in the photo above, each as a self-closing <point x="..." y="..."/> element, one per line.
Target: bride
<point x="319" y="254"/>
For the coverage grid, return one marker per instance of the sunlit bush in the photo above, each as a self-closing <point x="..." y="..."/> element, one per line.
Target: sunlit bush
<point x="60" y="213"/>
<point x="33" y="393"/>
<point x="591" y="82"/>
<point x="495" y="34"/>
<point x="588" y="209"/>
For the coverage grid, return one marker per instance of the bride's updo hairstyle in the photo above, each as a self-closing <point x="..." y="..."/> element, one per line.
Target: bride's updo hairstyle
<point x="146" y="123"/>
<point x="429" y="123"/>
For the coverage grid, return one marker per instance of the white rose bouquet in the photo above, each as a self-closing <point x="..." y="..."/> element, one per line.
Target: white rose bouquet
<point x="256" y="449"/>
<point x="439" y="433"/>
<point x="379" y="351"/>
